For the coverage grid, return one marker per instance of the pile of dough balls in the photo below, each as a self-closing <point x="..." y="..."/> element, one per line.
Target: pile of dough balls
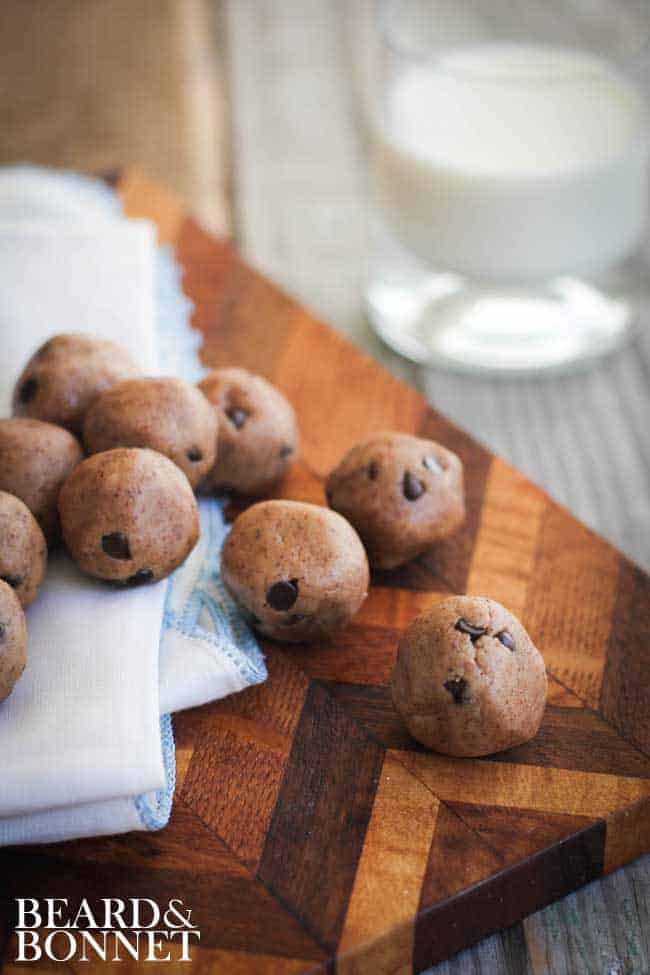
<point x="108" y="461"/>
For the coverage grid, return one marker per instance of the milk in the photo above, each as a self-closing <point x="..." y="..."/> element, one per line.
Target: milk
<point x="512" y="162"/>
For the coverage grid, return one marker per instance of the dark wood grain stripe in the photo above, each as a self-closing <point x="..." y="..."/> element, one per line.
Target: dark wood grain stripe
<point x="458" y="858"/>
<point x="579" y="739"/>
<point x="373" y="708"/>
<point x="317" y="832"/>
<point x="450" y="560"/>
<point x="625" y="694"/>
<point x="232" y="910"/>
<point x="515" y="834"/>
<point x="239" y="759"/>
<point x="517" y="891"/>
<point x="569" y="738"/>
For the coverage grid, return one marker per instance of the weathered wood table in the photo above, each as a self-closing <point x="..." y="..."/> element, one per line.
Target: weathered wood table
<point x="94" y="83"/>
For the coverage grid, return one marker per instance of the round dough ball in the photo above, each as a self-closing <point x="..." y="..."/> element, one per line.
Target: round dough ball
<point x="35" y="460"/>
<point x="401" y="493"/>
<point x="258" y="434"/>
<point x="23" y="550"/>
<point x="469" y="680"/>
<point x="66" y="374"/>
<point x="128" y="516"/>
<point x="297" y="571"/>
<point x="13" y="640"/>
<point x="168" y="415"/>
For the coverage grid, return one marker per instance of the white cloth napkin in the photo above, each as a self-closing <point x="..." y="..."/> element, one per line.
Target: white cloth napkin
<point x="83" y="749"/>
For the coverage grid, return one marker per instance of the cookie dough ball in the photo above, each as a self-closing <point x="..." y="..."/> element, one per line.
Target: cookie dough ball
<point x="258" y="435"/>
<point x="168" y="415"/>
<point x="297" y="571"/>
<point x="128" y="516"/>
<point x="35" y="460"/>
<point x="401" y="493"/>
<point x="23" y="551"/>
<point x="65" y="375"/>
<point x="469" y="680"/>
<point x="13" y="640"/>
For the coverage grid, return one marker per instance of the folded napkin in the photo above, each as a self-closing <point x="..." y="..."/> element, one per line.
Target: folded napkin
<point x="83" y="747"/>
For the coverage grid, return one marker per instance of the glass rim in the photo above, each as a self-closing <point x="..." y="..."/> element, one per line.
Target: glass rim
<point x="619" y="59"/>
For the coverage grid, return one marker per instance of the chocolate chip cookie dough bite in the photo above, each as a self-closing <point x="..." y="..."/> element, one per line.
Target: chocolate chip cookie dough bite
<point x="468" y="679"/>
<point x="23" y="550"/>
<point x="128" y="516"/>
<point x="297" y="571"/>
<point x="401" y="493"/>
<point x="35" y="460"/>
<point x="66" y="374"/>
<point x="13" y="640"/>
<point x="166" y="414"/>
<point x="258" y="433"/>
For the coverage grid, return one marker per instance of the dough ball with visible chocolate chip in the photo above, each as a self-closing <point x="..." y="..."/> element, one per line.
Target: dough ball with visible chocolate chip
<point x="401" y="493"/>
<point x="66" y="374"/>
<point x="128" y="516"/>
<point x="297" y="571"/>
<point x="168" y="415"/>
<point x="469" y="680"/>
<point x="23" y="550"/>
<point x="13" y="640"/>
<point x="35" y="460"/>
<point x="258" y="434"/>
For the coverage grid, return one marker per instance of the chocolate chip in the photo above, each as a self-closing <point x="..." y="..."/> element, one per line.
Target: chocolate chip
<point x="432" y="464"/>
<point x="412" y="487"/>
<point x="116" y="545"/>
<point x="282" y="595"/>
<point x="373" y="470"/>
<point x="195" y="455"/>
<point x="237" y="416"/>
<point x="459" y="690"/>
<point x="285" y="451"/>
<point x="13" y="581"/>
<point x="3" y="631"/>
<point x="472" y="631"/>
<point x="507" y="639"/>
<point x="140" y="578"/>
<point x="28" y="390"/>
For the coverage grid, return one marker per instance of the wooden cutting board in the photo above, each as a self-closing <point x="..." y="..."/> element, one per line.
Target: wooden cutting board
<point x="310" y="833"/>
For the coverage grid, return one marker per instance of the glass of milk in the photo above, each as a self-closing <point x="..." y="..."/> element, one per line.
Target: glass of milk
<point x="510" y="181"/>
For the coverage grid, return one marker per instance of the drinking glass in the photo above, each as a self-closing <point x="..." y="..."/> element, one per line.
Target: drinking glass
<point x="510" y="181"/>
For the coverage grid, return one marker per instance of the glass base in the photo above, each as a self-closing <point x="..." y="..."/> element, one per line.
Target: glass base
<point x="448" y="320"/>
